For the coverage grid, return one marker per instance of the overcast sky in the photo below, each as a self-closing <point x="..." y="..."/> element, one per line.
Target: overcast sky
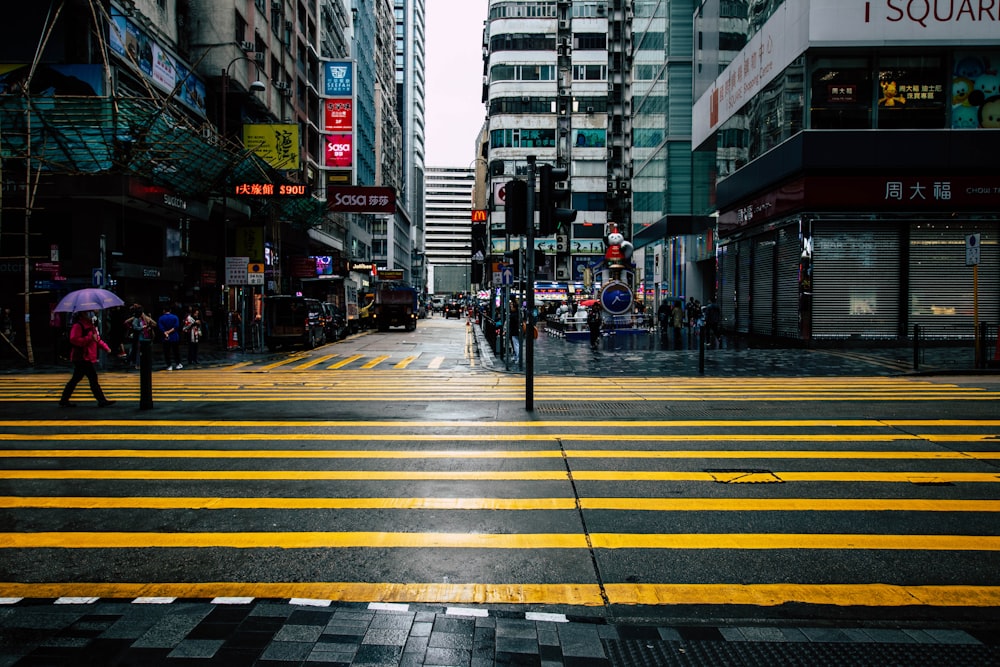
<point x="455" y="112"/>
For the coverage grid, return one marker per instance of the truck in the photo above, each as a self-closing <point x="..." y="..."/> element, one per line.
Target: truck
<point x="395" y="306"/>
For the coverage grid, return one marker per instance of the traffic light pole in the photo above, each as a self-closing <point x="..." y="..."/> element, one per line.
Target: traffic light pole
<point x="529" y="292"/>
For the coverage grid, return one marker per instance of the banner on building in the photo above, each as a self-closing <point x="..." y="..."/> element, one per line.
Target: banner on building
<point x="338" y="78"/>
<point x="338" y="115"/>
<point x="339" y="150"/>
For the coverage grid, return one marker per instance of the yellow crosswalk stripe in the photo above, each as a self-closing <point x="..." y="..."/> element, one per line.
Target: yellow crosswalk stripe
<point x="893" y="477"/>
<point x="340" y="364"/>
<point x="375" y="362"/>
<point x="510" y="504"/>
<point x="396" y="540"/>
<point x="406" y="362"/>
<point x="315" y="362"/>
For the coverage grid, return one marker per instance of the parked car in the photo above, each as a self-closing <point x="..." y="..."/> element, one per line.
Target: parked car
<point x="334" y="322"/>
<point x="453" y="308"/>
<point x="293" y="320"/>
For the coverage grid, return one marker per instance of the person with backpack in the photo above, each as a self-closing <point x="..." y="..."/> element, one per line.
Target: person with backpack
<point x="139" y="327"/>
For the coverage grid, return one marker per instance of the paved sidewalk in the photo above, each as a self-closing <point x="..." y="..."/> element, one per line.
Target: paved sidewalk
<point x="234" y="632"/>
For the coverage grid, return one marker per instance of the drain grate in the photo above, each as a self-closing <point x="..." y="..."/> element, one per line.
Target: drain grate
<point x="589" y="409"/>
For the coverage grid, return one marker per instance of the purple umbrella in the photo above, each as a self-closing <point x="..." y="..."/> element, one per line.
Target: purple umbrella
<point x="92" y="298"/>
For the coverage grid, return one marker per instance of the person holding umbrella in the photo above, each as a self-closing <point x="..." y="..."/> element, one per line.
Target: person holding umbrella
<point x="84" y="340"/>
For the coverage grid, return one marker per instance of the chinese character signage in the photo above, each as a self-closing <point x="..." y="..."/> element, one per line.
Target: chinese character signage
<point x="339" y="79"/>
<point x="339" y="150"/>
<point x="338" y="115"/>
<point x="276" y="144"/>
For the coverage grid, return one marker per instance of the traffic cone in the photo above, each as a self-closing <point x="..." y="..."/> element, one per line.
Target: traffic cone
<point x="234" y="339"/>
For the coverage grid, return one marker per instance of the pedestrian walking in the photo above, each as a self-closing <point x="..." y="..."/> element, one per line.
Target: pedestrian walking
<point x="595" y="321"/>
<point x="663" y="319"/>
<point x="169" y="325"/>
<point x="192" y="334"/>
<point x="677" y="324"/>
<point x="7" y="330"/>
<point x="84" y="340"/>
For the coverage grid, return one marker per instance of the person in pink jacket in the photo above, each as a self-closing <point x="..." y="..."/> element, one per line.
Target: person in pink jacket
<point x="84" y="340"/>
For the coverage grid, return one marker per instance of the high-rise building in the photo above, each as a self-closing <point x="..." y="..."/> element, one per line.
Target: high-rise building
<point x="410" y="62"/>
<point x="677" y="255"/>
<point x="555" y="88"/>
<point x="448" y="228"/>
<point x="853" y="145"/>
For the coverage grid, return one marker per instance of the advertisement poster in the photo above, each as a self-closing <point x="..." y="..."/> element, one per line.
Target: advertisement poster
<point x="277" y="144"/>
<point x="339" y="150"/>
<point x="338" y="115"/>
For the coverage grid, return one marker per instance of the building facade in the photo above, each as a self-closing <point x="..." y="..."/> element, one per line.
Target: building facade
<point x="448" y="229"/>
<point x="191" y="133"/>
<point x="852" y="144"/>
<point x="547" y="83"/>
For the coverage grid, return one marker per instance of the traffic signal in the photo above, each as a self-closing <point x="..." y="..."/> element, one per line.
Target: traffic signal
<point x="516" y="207"/>
<point x="539" y="258"/>
<point x="550" y="215"/>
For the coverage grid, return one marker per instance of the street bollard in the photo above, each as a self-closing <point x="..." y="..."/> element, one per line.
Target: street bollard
<point x="701" y="351"/>
<point x="145" y="375"/>
<point x="916" y="347"/>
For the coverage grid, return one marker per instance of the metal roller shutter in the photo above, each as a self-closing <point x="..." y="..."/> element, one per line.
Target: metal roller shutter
<point x="762" y="301"/>
<point x="789" y="254"/>
<point x="855" y="281"/>
<point x="744" y="267"/>
<point x="941" y="285"/>
<point x="727" y="286"/>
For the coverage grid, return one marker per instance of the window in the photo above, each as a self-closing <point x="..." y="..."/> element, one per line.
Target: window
<point x="841" y="94"/>
<point x="590" y="41"/>
<point x="590" y="72"/>
<point x="522" y="138"/>
<point x="522" y="42"/>
<point x="589" y="138"/>
<point x="911" y="93"/>
<point x="590" y="201"/>
<point x="523" y="73"/>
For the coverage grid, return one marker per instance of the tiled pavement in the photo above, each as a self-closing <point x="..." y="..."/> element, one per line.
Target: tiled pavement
<point x="236" y="632"/>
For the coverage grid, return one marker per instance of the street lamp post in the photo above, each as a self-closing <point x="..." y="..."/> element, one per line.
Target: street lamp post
<point x="256" y="86"/>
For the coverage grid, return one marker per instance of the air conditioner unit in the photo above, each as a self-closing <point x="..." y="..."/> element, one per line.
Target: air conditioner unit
<point x="602" y="10"/>
<point x="611" y="185"/>
<point x="287" y="92"/>
<point x="247" y="46"/>
<point x="281" y="85"/>
<point x="590" y="109"/>
<point x="562" y="243"/>
<point x="275" y="5"/>
<point x="564" y="24"/>
<point x="288" y="25"/>
<point x="562" y="274"/>
<point x="260" y="56"/>
<point x="561" y="185"/>
<point x="564" y="92"/>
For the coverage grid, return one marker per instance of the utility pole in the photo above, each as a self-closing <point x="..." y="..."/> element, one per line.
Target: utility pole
<point x="529" y="291"/>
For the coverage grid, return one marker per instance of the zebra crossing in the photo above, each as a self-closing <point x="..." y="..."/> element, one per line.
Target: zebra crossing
<point x="760" y="512"/>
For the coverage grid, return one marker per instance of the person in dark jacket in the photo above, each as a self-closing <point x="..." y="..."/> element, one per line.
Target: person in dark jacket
<point x="84" y="341"/>
<point x="595" y="320"/>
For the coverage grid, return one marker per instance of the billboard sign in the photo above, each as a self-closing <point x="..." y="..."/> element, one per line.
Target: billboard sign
<point x="338" y="78"/>
<point x="360" y="199"/>
<point x="339" y="150"/>
<point x="338" y="115"/>
<point x="277" y="144"/>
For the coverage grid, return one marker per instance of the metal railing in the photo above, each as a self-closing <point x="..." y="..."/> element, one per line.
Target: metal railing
<point x="981" y="345"/>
